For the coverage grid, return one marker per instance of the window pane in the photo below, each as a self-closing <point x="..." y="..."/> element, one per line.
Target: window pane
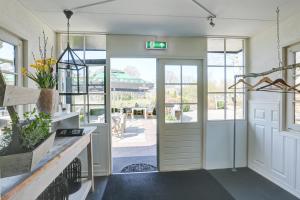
<point x="297" y="57"/>
<point x="189" y="94"/>
<point x="94" y="57"/>
<point x="173" y="113"/>
<point x="97" y="114"/>
<point x="230" y="73"/>
<point x="189" y="113"/>
<point x="95" y="42"/>
<point x="239" y="106"/>
<point x="189" y="74"/>
<point x="172" y="94"/>
<point x="172" y="74"/>
<point x="215" y="47"/>
<point x="234" y="52"/>
<point x="10" y="79"/>
<point x="215" y="79"/>
<point x="76" y="41"/>
<point x="7" y="57"/>
<point x="297" y="112"/>
<point x="96" y="99"/>
<point x="216" y="106"/>
<point x="79" y="99"/>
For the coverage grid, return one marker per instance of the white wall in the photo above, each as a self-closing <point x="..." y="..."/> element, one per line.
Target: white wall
<point x="219" y="144"/>
<point x="20" y="22"/>
<point x="134" y="46"/>
<point x="272" y="152"/>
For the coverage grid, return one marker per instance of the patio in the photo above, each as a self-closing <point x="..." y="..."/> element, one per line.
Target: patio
<point x="136" y="145"/>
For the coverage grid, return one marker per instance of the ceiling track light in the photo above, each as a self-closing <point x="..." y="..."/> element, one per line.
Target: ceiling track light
<point x="211" y="14"/>
<point x="211" y="21"/>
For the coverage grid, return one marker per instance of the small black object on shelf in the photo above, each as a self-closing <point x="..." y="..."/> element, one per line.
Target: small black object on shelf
<point x="57" y="190"/>
<point x="73" y="175"/>
<point x="69" y="132"/>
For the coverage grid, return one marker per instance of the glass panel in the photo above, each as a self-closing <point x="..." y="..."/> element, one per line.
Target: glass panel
<point x="297" y="57"/>
<point x="10" y="79"/>
<point x="189" y="94"/>
<point x="215" y="79"/>
<point x="95" y="55"/>
<point x="95" y="42"/>
<point x="230" y="73"/>
<point x="234" y="52"/>
<point x="97" y="114"/>
<point x="7" y="57"/>
<point x="82" y="113"/>
<point x="79" y="99"/>
<point x="76" y="41"/>
<point x="172" y="94"/>
<point x="96" y="75"/>
<point x="189" y="113"/>
<point x="96" y="99"/>
<point x="172" y="74"/>
<point x="215" y="47"/>
<point x="297" y="112"/>
<point x="189" y="74"/>
<point x="239" y="106"/>
<point x="216" y="106"/>
<point x="172" y="113"/>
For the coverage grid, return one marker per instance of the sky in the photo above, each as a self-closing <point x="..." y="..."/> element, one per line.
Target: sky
<point x="145" y="66"/>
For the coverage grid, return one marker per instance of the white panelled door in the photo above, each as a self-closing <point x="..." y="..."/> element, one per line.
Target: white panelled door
<point x="179" y="103"/>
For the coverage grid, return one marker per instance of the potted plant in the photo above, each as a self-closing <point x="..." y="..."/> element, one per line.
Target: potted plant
<point x="44" y="77"/>
<point x="25" y="143"/>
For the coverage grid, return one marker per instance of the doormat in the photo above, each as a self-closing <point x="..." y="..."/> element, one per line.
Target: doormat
<point x="140" y="167"/>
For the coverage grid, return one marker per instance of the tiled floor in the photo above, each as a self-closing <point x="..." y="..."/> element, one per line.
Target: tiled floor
<point x="137" y="144"/>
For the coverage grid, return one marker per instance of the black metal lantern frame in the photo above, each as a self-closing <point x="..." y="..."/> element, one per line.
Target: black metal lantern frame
<point x="69" y="64"/>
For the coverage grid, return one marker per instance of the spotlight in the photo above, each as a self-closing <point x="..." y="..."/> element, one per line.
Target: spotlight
<point x="211" y="21"/>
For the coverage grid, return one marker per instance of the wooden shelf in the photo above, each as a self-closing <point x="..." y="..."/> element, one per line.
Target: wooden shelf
<point x="84" y="190"/>
<point x="62" y="116"/>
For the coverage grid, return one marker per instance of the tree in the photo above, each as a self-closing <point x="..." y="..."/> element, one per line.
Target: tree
<point x="132" y="71"/>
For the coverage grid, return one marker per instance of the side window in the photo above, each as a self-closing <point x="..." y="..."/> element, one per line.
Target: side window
<point x="9" y="69"/>
<point x="181" y="93"/>
<point x="225" y="58"/>
<point x="297" y="96"/>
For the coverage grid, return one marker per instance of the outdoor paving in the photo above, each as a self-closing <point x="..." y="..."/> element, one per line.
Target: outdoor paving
<point x="137" y="144"/>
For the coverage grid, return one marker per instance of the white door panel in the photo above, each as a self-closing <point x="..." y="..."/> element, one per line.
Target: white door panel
<point x="180" y="142"/>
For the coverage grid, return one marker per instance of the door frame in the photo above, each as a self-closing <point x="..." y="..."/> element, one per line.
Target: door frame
<point x="160" y="100"/>
<point x="109" y="104"/>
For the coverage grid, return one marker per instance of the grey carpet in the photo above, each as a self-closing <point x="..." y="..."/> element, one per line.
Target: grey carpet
<point x="188" y="185"/>
<point x="246" y="184"/>
<point x="100" y="185"/>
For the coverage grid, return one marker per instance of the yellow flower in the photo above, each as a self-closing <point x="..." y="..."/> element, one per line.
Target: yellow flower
<point x="24" y="71"/>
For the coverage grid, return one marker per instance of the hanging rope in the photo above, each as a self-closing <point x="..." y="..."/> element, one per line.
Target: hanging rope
<point x="278" y="38"/>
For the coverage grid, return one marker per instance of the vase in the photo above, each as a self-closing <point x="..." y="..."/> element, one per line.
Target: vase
<point x="48" y="101"/>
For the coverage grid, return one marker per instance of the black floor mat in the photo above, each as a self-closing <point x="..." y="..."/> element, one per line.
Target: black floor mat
<point x="139" y="167"/>
<point x="187" y="185"/>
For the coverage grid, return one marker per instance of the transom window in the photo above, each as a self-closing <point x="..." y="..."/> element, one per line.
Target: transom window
<point x="181" y="93"/>
<point x="225" y="59"/>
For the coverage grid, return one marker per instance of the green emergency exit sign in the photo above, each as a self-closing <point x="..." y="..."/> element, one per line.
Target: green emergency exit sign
<point x="156" y="45"/>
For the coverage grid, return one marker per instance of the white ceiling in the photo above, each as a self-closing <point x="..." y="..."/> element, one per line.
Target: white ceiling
<point x="164" y="17"/>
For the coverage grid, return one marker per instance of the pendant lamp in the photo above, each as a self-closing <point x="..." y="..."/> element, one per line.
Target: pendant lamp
<point x="72" y="72"/>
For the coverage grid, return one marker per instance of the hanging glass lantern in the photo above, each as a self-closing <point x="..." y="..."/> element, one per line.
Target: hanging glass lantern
<point x="72" y="72"/>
